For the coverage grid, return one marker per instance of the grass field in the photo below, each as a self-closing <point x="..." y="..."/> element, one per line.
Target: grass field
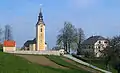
<point x="13" y="64"/>
<point x="101" y="64"/>
<point x="61" y="62"/>
<point x="70" y="64"/>
<point x="97" y="62"/>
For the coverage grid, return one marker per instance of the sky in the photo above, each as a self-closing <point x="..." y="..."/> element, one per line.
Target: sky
<point x="95" y="17"/>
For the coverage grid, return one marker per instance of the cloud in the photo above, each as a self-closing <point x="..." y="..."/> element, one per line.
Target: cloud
<point x="83" y="3"/>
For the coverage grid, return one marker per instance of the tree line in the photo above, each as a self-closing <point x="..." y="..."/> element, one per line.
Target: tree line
<point x="71" y="37"/>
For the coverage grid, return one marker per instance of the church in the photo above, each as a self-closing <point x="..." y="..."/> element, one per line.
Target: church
<point x="38" y="43"/>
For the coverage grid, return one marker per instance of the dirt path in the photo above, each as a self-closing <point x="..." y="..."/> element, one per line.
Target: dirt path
<point x="41" y="60"/>
<point x="81" y="66"/>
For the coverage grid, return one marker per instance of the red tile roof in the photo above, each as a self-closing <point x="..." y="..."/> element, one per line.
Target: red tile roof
<point x="9" y="43"/>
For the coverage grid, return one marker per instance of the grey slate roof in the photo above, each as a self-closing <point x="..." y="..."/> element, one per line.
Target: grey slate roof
<point x="29" y="42"/>
<point x="93" y="39"/>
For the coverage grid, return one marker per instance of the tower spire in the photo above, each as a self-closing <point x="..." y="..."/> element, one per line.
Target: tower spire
<point x="40" y="17"/>
<point x="40" y="7"/>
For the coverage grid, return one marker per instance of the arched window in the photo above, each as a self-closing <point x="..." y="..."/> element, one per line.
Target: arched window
<point x="41" y="29"/>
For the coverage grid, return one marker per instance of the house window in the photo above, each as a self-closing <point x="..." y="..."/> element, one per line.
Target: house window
<point x="84" y="46"/>
<point x="92" y="46"/>
<point x="105" y="42"/>
<point x="89" y="46"/>
<point x="41" y="29"/>
<point x="99" y="42"/>
<point x="99" y="47"/>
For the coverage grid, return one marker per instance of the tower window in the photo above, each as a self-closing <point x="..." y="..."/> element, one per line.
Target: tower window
<point x="41" y="29"/>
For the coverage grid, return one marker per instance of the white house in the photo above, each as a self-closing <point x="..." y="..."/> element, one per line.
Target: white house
<point x="95" y="45"/>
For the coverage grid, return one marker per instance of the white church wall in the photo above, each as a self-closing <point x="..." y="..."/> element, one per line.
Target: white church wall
<point x="32" y="47"/>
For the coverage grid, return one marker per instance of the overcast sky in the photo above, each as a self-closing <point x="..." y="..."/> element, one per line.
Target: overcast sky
<point x="96" y="17"/>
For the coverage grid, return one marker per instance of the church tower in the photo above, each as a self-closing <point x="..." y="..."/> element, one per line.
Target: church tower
<point x="40" y="33"/>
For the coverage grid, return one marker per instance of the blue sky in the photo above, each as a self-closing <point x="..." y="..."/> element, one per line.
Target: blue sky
<point x="96" y="17"/>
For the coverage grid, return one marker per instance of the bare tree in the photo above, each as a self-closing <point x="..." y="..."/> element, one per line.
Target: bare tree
<point x="1" y="38"/>
<point x="8" y="32"/>
<point x="67" y="36"/>
<point x="1" y="32"/>
<point x="80" y="39"/>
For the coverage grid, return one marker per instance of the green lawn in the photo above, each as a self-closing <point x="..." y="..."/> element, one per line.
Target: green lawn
<point x="60" y="61"/>
<point x="101" y="64"/>
<point x="14" y="64"/>
<point x="97" y="62"/>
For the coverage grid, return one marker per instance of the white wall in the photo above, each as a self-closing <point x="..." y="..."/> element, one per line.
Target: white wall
<point x="32" y="47"/>
<point x="99" y="47"/>
<point x="9" y="49"/>
<point x="36" y="52"/>
<point x="46" y="47"/>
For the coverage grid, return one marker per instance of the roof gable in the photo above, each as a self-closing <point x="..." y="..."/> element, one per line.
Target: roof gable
<point x="9" y="43"/>
<point x="93" y="39"/>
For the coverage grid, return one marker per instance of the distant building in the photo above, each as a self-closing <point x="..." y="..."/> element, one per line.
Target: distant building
<point x="95" y="45"/>
<point x="38" y="43"/>
<point x="9" y="46"/>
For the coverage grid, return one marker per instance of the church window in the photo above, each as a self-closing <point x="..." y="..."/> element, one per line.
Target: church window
<point x="41" y="29"/>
